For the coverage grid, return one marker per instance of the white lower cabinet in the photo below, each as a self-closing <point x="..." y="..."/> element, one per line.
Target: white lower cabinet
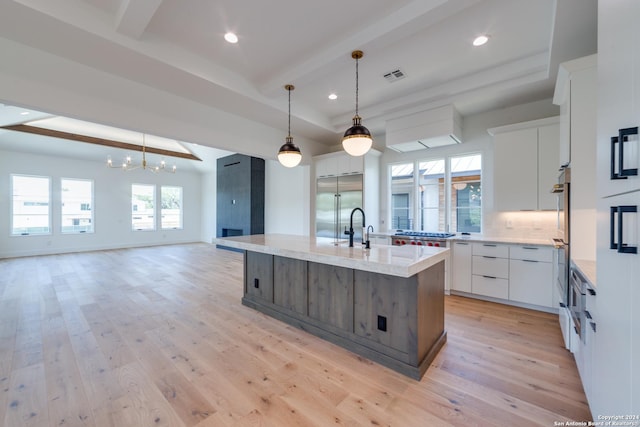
<point x="531" y="275"/>
<point x="461" y="266"/>
<point x="490" y="270"/>
<point x="519" y="273"/>
<point x="589" y="343"/>
<point x="490" y="286"/>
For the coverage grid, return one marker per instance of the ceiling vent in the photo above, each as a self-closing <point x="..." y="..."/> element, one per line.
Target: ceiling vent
<point x="426" y="129"/>
<point x="394" y="75"/>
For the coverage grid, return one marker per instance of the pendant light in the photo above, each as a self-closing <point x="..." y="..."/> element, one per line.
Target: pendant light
<point x="289" y="154"/>
<point x="357" y="139"/>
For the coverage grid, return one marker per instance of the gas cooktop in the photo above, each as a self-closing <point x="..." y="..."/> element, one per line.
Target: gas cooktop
<point x="426" y="234"/>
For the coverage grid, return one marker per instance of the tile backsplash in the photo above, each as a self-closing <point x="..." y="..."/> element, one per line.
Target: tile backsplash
<point x="536" y="224"/>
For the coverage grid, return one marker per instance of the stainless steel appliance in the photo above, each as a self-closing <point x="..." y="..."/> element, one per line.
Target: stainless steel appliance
<point x="577" y="302"/>
<point x="563" y="253"/>
<point x="420" y="238"/>
<point x="336" y="197"/>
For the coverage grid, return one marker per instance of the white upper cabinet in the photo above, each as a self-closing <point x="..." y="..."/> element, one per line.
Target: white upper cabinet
<point x="526" y="165"/>
<point x="548" y="151"/>
<point x="335" y="164"/>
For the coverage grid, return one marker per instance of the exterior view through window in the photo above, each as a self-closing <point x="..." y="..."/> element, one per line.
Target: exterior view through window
<point x="171" y="211"/>
<point x="419" y="201"/>
<point x="401" y="191"/>
<point x="466" y="193"/>
<point x="143" y="207"/>
<point x="30" y="205"/>
<point x="76" y="196"/>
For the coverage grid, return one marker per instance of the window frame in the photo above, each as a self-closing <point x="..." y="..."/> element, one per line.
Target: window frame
<point x="415" y="202"/>
<point x="181" y="212"/>
<point x="49" y="229"/>
<point x="153" y="209"/>
<point x="91" y="206"/>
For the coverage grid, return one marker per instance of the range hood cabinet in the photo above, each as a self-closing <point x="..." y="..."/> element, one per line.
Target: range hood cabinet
<point x="426" y="129"/>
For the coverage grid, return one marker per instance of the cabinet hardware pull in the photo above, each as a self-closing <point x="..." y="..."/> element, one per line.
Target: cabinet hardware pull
<point x="623" y="136"/>
<point x="489" y="245"/>
<point x="593" y="326"/>
<point x="562" y="305"/>
<point x="490" y="277"/>
<point x="586" y="313"/>
<point x="490" y="257"/>
<point x="530" y="248"/>
<point x="618" y="212"/>
<point x="529" y="260"/>
<point x="591" y="292"/>
<point x="462" y="243"/>
<point x="575" y="328"/>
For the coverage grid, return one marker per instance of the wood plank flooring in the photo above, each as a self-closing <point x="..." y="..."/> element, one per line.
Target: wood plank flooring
<point x="158" y="337"/>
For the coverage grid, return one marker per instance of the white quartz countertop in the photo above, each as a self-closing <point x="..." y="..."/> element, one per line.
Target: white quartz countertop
<point x="588" y="268"/>
<point x="402" y="261"/>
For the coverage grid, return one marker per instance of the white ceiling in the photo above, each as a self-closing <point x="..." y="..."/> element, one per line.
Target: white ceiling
<point x="178" y="46"/>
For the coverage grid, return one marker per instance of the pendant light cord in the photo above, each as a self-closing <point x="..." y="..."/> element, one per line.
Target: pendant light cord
<point x="356" y="86"/>
<point x="289" y="131"/>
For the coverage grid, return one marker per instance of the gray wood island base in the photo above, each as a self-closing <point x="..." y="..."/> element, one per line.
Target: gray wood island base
<point x="348" y="296"/>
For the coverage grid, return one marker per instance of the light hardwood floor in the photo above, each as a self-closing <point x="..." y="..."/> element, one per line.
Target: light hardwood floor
<point x="158" y="337"/>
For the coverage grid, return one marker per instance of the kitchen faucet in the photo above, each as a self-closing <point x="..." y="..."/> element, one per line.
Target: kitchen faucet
<point x="369" y="227"/>
<point x="351" y="232"/>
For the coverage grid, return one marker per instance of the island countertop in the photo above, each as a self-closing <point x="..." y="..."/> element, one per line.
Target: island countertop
<point x="401" y="261"/>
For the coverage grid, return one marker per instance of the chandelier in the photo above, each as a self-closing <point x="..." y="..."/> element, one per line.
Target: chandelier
<point x="128" y="165"/>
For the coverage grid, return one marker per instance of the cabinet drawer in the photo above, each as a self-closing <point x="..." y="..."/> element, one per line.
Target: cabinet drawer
<point x="532" y="253"/>
<point x="491" y="287"/>
<point x="491" y="249"/>
<point x="531" y="282"/>
<point x="490" y="266"/>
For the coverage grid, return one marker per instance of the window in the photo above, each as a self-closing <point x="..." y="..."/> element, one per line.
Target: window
<point x="76" y="196"/>
<point x="171" y="211"/>
<point x="401" y="195"/>
<point x="446" y="196"/>
<point x="30" y="207"/>
<point x="432" y="197"/>
<point x="466" y="193"/>
<point x="143" y="207"/>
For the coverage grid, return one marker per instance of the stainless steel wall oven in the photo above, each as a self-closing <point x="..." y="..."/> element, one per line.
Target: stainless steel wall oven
<point x="577" y="301"/>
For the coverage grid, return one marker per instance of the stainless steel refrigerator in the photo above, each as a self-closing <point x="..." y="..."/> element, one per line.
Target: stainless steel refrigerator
<point x="336" y="197"/>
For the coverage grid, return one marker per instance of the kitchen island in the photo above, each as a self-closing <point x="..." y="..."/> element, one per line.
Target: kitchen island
<point x="385" y="303"/>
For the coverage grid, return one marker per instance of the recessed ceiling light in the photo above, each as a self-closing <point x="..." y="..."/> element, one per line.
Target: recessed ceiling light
<point x="24" y="113"/>
<point x="333" y="96"/>
<point x="231" y="37"/>
<point x="480" y="40"/>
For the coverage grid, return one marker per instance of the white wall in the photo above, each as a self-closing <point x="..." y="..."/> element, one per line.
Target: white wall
<point x="208" y="205"/>
<point x="287" y="204"/>
<point x="287" y="197"/>
<point x="476" y="139"/>
<point x="112" y="206"/>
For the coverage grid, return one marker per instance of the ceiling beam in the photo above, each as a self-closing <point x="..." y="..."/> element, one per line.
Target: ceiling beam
<point x="133" y="16"/>
<point x="99" y="141"/>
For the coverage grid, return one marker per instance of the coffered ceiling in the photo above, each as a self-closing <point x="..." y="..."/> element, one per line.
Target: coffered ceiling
<point x="177" y="46"/>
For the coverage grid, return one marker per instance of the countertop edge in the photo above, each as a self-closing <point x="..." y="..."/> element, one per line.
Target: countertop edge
<point x="404" y="271"/>
<point x="588" y="269"/>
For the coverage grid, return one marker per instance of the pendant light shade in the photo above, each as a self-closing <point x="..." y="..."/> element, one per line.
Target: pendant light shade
<point x="357" y="139"/>
<point x="289" y="154"/>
